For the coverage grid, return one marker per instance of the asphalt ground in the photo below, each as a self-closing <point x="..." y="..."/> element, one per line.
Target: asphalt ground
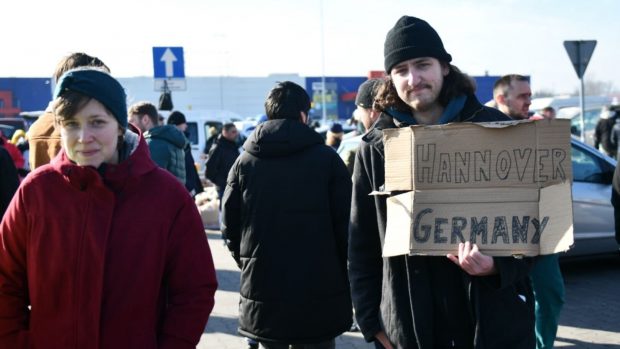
<point x="590" y="318"/>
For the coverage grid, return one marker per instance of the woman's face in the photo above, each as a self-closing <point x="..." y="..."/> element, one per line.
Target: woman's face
<point x="90" y="137"/>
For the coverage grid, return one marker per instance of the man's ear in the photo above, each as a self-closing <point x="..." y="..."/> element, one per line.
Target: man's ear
<point x="147" y="121"/>
<point x="303" y="117"/>
<point x="374" y="114"/>
<point x="445" y="68"/>
<point x="500" y="99"/>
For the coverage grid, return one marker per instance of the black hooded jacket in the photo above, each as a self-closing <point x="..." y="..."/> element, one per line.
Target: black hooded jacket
<point x="9" y="180"/>
<point x="285" y="213"/>
<point x="396" y="294"/>
<point x="615" y="200"/>
<point x="221" y="158"/>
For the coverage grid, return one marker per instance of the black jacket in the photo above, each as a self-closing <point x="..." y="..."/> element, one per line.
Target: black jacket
<point x="285" y="213"/>
<point x="192" y="180"/>
<point x="387" y="291"/>
<point x="222" y="156"/>
<point x="603" y="136"/>
<point x="9" y="180"/>
<point x="615" y="200"/>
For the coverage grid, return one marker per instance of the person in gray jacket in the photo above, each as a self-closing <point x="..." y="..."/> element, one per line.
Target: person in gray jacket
<point x="166" y="142"/>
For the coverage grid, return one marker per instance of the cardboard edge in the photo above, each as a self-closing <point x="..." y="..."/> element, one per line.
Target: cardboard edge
<point x="399" y="136"/>
<point x="551" y="198"/>
<point x="395" y="244"/>
<point x="496" y="253"/>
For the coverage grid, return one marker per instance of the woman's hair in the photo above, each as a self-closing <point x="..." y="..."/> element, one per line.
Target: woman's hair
<point x="454" y="84"/>
<point x="76" y="60"/>
<point x="69" y="104"/>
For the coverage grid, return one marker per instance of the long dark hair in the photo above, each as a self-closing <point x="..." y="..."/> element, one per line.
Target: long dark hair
<point x="68" y="104"/>
<point x="454" y="84"/>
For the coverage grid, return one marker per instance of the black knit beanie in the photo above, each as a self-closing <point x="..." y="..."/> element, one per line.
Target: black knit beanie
<point x="176" y="118"/>
<point x="98" y="85"/>
<point x="411" y="38"/>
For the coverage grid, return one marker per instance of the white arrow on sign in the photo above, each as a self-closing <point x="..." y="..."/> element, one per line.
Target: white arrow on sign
<point x="169" y="58"/>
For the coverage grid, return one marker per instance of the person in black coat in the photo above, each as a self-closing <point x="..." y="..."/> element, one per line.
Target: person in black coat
<point x="615" y="201"/>
<point x="604" y="133"/>
<point x="285" y="213"/>
<point x="9" y="180"/>
<point x="221" y="158"/>
<point x="614" y="135"/>
<point x="465" y="301"/>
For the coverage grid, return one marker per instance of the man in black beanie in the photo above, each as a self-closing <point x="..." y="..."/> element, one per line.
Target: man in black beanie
<point x="465" y="301"/>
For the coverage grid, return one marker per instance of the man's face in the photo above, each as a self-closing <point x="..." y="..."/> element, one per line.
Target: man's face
<point x="418" y="82"/>
<point x="182" y="127"/>
<point x="364" y="115"/>
<point x="517" y="101"/>
<point x="140" y="121"/>
<point x="231" y="134"/>
<point x="548" y="114"/>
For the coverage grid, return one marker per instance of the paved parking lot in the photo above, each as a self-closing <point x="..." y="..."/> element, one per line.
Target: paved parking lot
<point x="590" y="319"/>
<point x="591" y="316"/>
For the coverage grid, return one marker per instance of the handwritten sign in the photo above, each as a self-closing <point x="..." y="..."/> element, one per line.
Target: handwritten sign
<point x="504" y="186"/>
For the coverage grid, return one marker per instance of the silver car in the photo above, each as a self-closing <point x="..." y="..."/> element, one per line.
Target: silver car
<point x="593" y="214"/>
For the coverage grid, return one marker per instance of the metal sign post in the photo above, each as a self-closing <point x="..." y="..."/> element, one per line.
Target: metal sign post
<point x="579" y="52"/>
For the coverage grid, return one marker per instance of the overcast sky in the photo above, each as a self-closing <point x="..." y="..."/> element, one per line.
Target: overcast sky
<point x="261" y="37"/>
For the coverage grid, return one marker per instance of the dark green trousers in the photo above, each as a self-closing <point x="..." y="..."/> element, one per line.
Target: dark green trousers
<point x="548" y="287"/>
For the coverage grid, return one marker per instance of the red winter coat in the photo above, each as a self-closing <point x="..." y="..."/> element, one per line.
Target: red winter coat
<point x="16" y="155"/>
<point x="116" y="263"/>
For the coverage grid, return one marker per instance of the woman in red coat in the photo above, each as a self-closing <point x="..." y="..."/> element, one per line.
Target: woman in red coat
<point x="101" y="248"/>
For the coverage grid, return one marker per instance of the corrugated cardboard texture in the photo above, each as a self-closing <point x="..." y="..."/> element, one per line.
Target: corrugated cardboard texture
<point x="504" y="186"/>
<point x="526" y="154"/>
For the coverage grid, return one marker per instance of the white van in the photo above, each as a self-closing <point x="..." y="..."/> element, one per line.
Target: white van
<point x="567" y="101"/>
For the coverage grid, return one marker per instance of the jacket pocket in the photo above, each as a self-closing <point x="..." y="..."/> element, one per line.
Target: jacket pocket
<point x="506" y="316"/>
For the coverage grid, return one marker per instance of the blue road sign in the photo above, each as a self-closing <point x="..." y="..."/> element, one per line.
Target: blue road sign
<point x="168" y="62"/>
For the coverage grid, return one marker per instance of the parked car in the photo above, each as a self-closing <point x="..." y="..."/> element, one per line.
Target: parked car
<point x="593" y="214"/>
<point x="31" y="116"/>
<point x="560" y="102"/>
<point x="592" y="116"/>
<point x="10" y="125"/>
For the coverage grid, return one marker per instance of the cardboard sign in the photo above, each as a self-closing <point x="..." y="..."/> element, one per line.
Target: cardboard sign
<point x="504" y="186"/>
<point x="484" y="155"/>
